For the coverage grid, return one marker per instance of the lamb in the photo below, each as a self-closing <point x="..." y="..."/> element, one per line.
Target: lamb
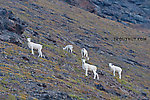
<point x="68" y="48"/>
<point x="115" y="68"/>
<point x="32" y="46"/>
<point x="84" y="53"/>
<point x="87" y="67"/>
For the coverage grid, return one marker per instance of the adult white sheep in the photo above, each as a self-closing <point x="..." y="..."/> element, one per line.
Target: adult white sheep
<point x="84" y="53"/>
<point x="115" y="68"/>
<point x="68" y="48"/>
<point x="87" y="67"/>
<point x="32" y="46"/>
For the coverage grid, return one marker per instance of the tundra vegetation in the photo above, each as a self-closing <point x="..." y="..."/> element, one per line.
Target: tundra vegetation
<point x="53" y="23"/>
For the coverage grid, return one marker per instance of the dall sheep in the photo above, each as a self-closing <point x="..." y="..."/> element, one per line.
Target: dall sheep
<point x="32" y="46"/>
<point x="115" y="68"/>
<point x="68" y="48"/>
<point x="87" y="67"/>
<point x="84" y="53"/>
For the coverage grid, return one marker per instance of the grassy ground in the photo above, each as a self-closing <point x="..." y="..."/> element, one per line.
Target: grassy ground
<point x="60" y="70"/>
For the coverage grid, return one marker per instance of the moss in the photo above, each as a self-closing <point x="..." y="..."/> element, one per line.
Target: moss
<point x="18" y="75"/>
<point x="15" y="81"/>
<point x="41" y="77"/>
<point x="49" y="78"/>
<point x="123" y="82"/>
<point x="131" y="88"/>
<point x="22" y="97"/>
<point x="75" y="96"/>
<point x="77" y="69"/>
<point x="128" y="85"/>
<point x="57" y="68"/>
<point x="4" y="82"/>
<point x="127" y="76"/>
<point x="78" y="81"/>
<point x="11" y="97"/>
<point x="50" y="70"/>
<point x="115" y="98"/>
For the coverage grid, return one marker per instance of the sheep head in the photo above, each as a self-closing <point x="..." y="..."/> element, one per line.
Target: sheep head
<point x="110" y="64"/>
<point x="83" y="60"/>
<point x="29" y="39"/>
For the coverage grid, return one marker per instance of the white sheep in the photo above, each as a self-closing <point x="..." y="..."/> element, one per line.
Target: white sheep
<point x="68" y="48"/>
<point x="87" y="67"/>
<point x="32" y="46"/>
<point x="115" y="68"/>
<point x="84" y="53"/>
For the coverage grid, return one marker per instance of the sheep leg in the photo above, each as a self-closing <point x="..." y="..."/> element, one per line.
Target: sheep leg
<point x="97" y="76"/>
<point x="86" y="71"/>
<point x="40" y="53"/>
<point x="85" y="55"/>
<point x="114" y="72"/>
<point x="87" y="58"/>
<point x="82" y="54"/>
<point x="119" y="74"/>
<point x="70" y="50"/>
<point x="32" y="51"/>
<point x="94" y="74"/>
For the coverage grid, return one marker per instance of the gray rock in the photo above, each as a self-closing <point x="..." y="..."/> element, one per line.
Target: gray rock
<point x="10" y="37"/>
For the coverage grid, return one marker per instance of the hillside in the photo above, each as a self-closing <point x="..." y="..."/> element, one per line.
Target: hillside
<point x="59" y="75"/>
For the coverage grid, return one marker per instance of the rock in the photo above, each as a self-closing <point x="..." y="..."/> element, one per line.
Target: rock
<point x="132" y="1"/>
<point x="101" y="72"/>
<point x="11" y="37"/>
<point x="139" y="18"/>
<point x="50" y="39"/>
<point x="131" y="51"/>
<point x="38" y="27"/>
<point x="11" y="27"/>
<point x="45" y="97"/>
<point x="97" y="2"/>
<point x="42" y="85"/>
<point x="100" y="87"/>
<point x="19" y="29"/>
<point x="2" y="74"/>
<point x="106" y="3"/>
<point x="25" y="58"/>
<point x="3" y="12"/>
<point x="52" y="95"/>
<point x="144" y="94"/>
<point x="35" y="33"/>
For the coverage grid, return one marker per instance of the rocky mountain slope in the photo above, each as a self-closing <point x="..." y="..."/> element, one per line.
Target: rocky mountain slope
<point x="124" y="11"/>
<point x="59" y="75"/>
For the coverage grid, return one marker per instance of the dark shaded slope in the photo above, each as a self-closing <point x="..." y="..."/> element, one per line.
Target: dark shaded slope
<point x="124" y="11"/>
<point x="59" y="75"/>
